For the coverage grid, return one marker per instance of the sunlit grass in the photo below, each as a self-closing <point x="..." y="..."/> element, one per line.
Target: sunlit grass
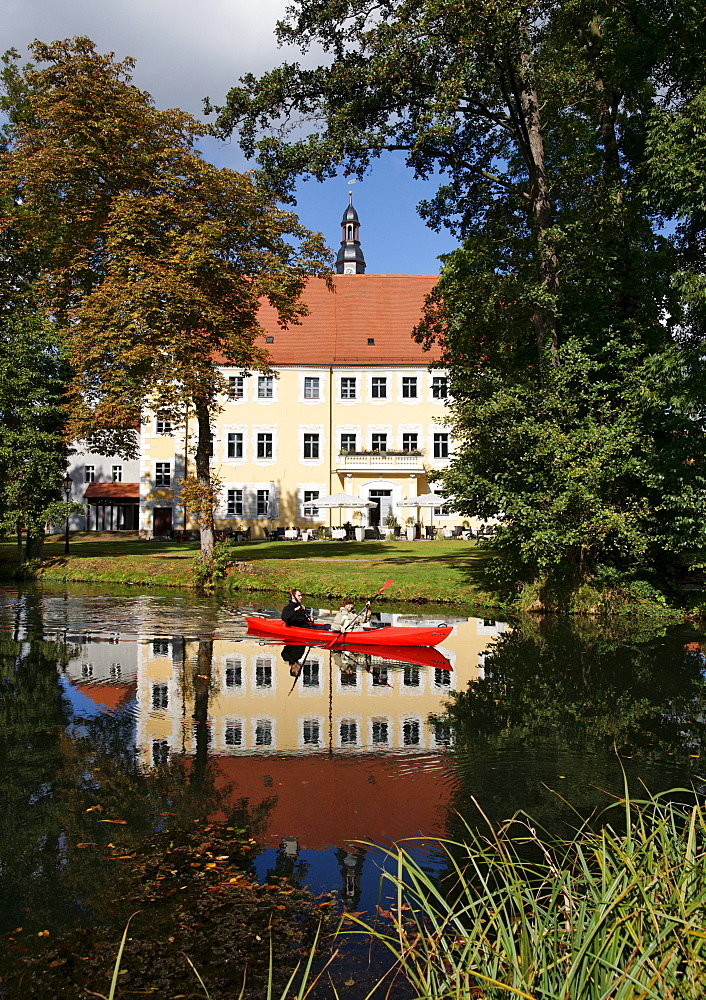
<point x="424" y="571"/>
<point x="615" y="913"/>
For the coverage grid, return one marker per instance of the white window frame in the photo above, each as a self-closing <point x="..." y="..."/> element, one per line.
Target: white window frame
<point x="309" y="384"/>
<point x="260" y="501"/>
<point x="235" y="382"/>
<point x="310" y="719"/>
<point x="271" y="725"/>
<point x="312" y="513"/>
<point x="161" y="474"/>
<point x="347" y="451"/>
<point x="234" y="722"/>
<point x="163" y="425"/>
<point x="347" y="398"/>
<point x="235" y="502"/>
<point x="266" y="389"/>
<point x="234" y="458"/>
<point x="373" y="435"/>
<point x="414" y="434"/>
<point x="117" y="473"/>
<point x="434" y="385"/>
<point x="407" y="382"/>
<point x="257" y="430"/>
<point x="264" y="441"/>
<point x="89" y="473"/>
<point x="378" y="382"/>
<point x="439" y="444"/>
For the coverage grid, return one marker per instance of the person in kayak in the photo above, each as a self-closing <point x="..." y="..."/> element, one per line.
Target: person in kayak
<point x="345" y="616"/>
<point x="294" y="613"/>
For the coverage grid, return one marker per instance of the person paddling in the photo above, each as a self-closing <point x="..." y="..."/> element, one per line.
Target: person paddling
<point x="294" y="613"/>
<point x="345" y="616"/>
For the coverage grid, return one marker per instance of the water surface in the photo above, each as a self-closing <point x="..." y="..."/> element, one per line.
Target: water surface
<point x="127" y="713"/>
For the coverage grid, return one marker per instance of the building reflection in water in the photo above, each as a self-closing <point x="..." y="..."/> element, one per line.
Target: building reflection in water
<point x="353" y="748"/>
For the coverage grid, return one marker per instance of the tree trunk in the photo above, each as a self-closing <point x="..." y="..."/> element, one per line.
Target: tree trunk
<point x="543" y="318"/>
<point x="203" y="472"/>
<point x="20" y="553"/>
<point x="34" y="547"/>
<point x="202" y="686"/>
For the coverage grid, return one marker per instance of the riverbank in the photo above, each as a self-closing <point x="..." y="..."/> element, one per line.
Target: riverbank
<point x="446" y="572"/>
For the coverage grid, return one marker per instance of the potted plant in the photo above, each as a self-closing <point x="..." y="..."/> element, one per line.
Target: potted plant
<point x="411" y="529"/>
<point x="391" y="525"/>
<point x="359" y="529"/>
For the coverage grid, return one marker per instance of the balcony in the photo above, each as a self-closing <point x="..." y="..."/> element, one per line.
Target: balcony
<point x="379" y="461"/>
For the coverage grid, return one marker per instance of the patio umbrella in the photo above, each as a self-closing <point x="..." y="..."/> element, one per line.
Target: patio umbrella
<point x="431" y="500"/>
<point x="342" y="500"/>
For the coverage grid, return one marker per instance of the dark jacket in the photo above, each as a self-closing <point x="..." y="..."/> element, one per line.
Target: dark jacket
<point x="294" y="614"/>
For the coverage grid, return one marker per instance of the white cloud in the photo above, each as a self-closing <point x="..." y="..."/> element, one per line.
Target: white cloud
<point x="185" y="50"/>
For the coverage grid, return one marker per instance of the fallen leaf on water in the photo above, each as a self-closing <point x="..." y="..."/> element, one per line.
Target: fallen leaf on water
<point x="94" y="809"/>
<point x="57" y="962"/>
<point x="120" y="822"/>
<point x="222" y="857"/>
<point x="125" y="857"/>
<point x="89" y="843"/>
<point x="349" y="982"/>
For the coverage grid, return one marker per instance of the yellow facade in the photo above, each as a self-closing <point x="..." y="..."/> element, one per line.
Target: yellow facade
<point x="370" y="431"/>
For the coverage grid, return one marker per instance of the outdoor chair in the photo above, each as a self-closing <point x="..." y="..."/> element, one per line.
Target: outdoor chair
<point x="430" y="531"/>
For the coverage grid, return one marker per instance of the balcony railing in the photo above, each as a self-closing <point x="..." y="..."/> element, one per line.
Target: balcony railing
<point x="380" y="460"/>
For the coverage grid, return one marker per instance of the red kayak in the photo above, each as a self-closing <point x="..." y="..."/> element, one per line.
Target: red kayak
<point x="274" y="628"/>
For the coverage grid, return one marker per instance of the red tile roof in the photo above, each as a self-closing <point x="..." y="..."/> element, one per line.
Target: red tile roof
<point x="384" y="307"/>
<point x="112" y="491"/>
<point x="108" y="696"/>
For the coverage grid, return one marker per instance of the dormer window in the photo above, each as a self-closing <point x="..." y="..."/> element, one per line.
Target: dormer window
<point x="269" y="340"/>
<point x="371" y="341"/>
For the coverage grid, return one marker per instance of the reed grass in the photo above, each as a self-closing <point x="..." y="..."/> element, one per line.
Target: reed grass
<point x="616" y="912"/>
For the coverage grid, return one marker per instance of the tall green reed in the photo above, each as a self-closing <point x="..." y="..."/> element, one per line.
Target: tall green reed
<point x="616" y="912"/>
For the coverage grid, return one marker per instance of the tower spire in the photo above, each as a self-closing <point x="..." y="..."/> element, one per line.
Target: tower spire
<point x="350" y="259"/>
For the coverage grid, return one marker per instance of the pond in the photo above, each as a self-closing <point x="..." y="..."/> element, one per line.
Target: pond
<point x="136" y="725"/>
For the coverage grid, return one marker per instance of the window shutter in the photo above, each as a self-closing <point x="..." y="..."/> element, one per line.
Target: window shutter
<point x="249" y="502"/>
<point x="274" y="500"/>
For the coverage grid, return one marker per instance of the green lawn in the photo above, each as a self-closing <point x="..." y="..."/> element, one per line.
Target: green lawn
<point x="440" y="571"/>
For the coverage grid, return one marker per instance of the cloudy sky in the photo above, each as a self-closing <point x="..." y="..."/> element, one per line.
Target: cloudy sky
<point x="189" y="49"/>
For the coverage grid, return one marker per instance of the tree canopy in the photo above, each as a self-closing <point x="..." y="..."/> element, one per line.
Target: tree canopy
<point x="575" y="356"/>
<point x="153" y="261"/>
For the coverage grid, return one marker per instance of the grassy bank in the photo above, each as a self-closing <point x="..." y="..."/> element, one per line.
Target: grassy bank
<point x="439" y="571"/>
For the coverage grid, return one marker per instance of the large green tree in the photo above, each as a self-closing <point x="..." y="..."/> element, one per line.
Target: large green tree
<point x="576" y="371"/>
<point x="154" y="261"/>
<point x="33" y="377"/>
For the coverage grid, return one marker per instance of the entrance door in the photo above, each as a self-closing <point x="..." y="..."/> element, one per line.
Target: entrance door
<point x="162" y="521"/>
<point x="379" y="513"/>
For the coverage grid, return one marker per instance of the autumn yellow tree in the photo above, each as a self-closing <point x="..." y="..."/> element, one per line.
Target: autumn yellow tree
<point x="154" y="261"/>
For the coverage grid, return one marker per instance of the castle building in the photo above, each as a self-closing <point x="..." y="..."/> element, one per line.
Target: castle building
<point x="352" y="405"/>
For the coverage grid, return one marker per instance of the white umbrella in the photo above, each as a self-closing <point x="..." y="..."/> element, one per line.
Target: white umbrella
<point x="342" y="500"/>
<point x="426" y="500"/>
